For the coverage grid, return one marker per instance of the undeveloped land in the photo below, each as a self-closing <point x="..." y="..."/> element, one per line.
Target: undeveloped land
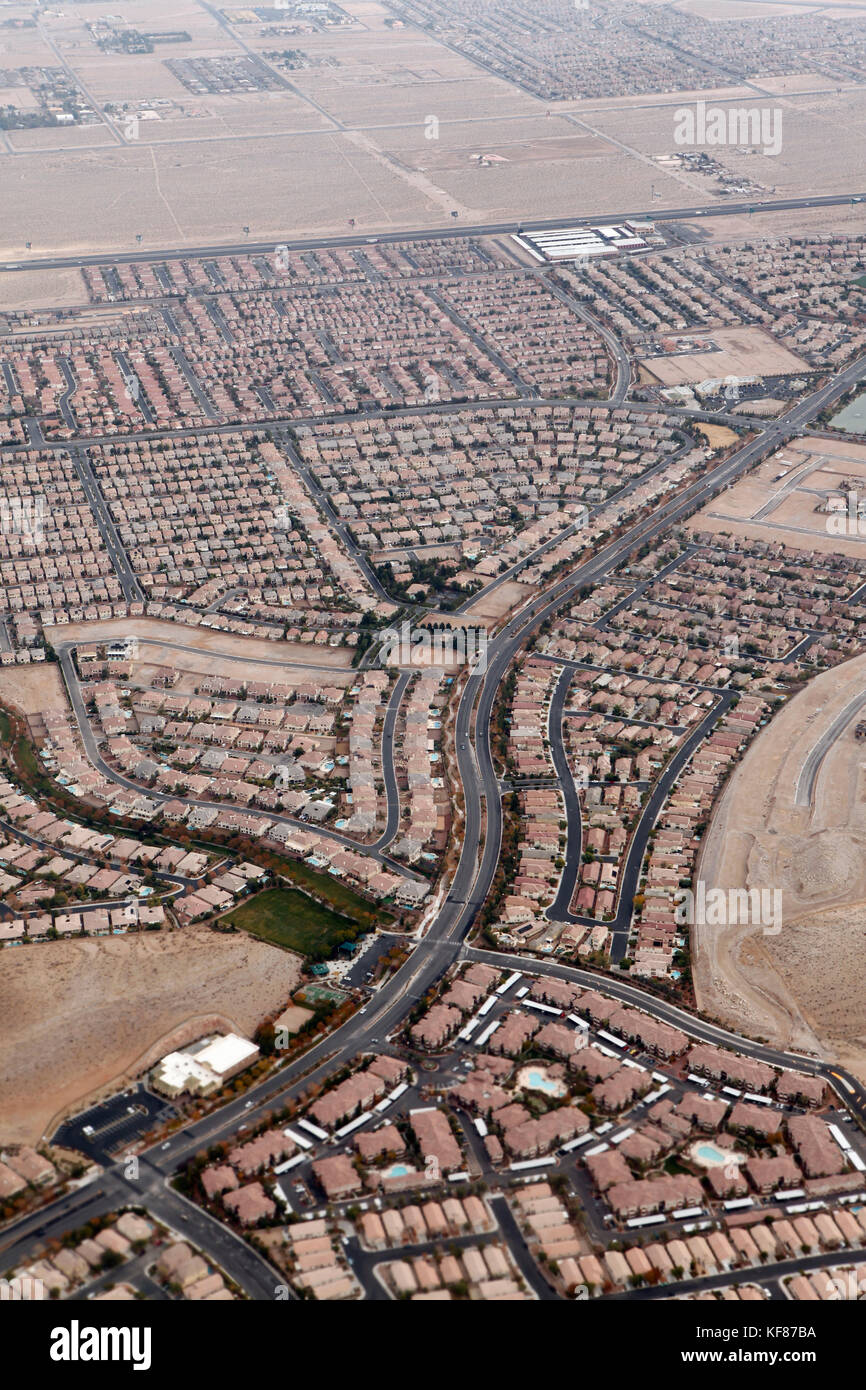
<point x="718" y="436"/>
<point x="781" y="500"/>
<point x="84" y="1016"/>
<point x="223" y="653"/>
<point x="41" y="289"/>
<point x="492" y="607"/>
<point x="33" y="689"/>
<point x="803" y="987"/>
<point x="740" y="352"/>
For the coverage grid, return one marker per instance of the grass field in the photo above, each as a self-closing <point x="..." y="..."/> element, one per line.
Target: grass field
<point x="339" y="895"/>
<point x="285" y="917"/>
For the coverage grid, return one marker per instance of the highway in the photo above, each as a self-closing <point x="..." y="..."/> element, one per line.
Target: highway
<point x="592" y="513"/>
<point x="437" y="233"/>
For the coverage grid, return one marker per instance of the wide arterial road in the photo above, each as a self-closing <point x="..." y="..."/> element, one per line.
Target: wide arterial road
<point x="439" y="233"/>
<point x="451" y="923"/>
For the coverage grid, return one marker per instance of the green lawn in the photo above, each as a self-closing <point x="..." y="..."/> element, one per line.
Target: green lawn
<point x="288" y="918"/>
<point x="339" y="895"/>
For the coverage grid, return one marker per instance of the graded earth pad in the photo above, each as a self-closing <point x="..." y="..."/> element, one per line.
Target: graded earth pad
<point x="793" y="817"/>
<point x="741" y="352"/>
<point x="206" y="649"/>
<point x="83" y="1015"/>
<point x="491" y="608"/>
<point x="33" y="689"/>
<point x="784" y="500"/>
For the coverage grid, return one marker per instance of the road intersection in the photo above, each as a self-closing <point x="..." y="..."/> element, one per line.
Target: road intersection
<point x="447" y="934"/>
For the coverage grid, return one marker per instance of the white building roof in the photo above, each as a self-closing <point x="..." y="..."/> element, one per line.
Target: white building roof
<point x="178" y="1069"/>
<point x="221" y="1055"/>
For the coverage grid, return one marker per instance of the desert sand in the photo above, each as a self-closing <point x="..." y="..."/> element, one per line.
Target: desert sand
<point x="776" y="827"/>
<point x="84" y="1016"/>
<point x="32" y="689"/>
<point x="205" y="649"/>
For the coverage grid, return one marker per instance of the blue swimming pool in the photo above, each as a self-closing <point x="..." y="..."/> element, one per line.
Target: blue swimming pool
<point x="708" y="1153"/>
<point x="535" y="1079"/>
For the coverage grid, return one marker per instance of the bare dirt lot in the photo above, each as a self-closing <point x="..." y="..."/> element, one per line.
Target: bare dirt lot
<point x="42" y="289"/>
<point x="347" y="136"/>
<point x="782" y="499"/>
<point x="741" y="352"/>
<point x="225" y="650"/>
<point x="804" y="986"/>
<point x="33" y="688"/>
<point x="493" y="606"/>
<point x="846" y="220"/>
<point x="510" y="152"/>
<point x="82" y="1016"/>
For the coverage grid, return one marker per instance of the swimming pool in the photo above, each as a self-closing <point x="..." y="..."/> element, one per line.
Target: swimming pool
<point x="708" y="1153"/>
<point x="397" y="1170"/>
<point x="713" y="1157"/>
<point x="535" y="1079"/>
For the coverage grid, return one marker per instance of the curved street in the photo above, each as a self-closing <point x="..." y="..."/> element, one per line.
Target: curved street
<point x="444" y="939"/>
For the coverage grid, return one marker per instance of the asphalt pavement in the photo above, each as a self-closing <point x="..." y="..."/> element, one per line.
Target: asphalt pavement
<point x="450" y="926"/>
